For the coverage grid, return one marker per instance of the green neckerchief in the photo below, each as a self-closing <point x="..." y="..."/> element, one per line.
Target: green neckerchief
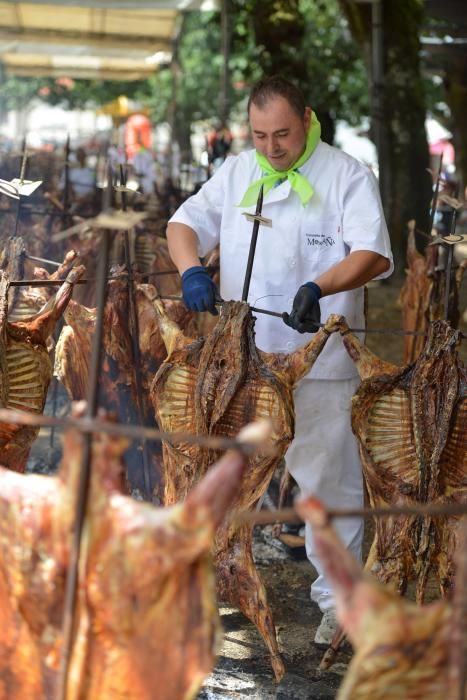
<point x="298" y="182"/>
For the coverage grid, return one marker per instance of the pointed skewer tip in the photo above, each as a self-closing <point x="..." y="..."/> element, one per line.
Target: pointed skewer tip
<point x="257" y="435"/>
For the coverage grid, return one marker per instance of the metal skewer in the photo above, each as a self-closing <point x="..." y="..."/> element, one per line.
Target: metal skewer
<point x="133" y="432"/>
<point x="85" y="472"/>
<point x="22" y="175"/>
<point x="134" y="336"/>
<point x="449" y="264"/>
<point x="434" y="203"/>
<point x="289" y="515"/>
<point x="251" y="254"/>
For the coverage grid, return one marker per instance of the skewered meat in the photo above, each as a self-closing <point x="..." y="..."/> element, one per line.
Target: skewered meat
<point x="422" y="296"/>
<point x="70" y="260"/>
<point x="73" y="350"/>
<point x="146" y="620"/>
<point x="25" y="302"/>
<point x="25" y="367"/>
<point x="151" y="344"/>
<point x="411" y="424"/>
<point x="213" y="386"/>
<point x="118" y="384"/>
<point x="402" y="651"/>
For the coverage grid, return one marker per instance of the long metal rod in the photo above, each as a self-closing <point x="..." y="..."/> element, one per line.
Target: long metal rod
<point x="132" y="432"/>
<point x="22" y="175"/>
<point x="460" y="609"/>
<point x="66" y="189"/>
<point x="278" y="314"/>
<point x="173" y="297"/>
<point x="89" y="425"/>
<point x="449" y="265"/>
<point x="122" y="275"/>
<point x="289" y="515"/>
<point x="434" y="203"/>
<point x="85" y="473"/>
<point x="251" y="254"/>
<point x="134" y="334"/>
<point x="42" y="260"/>
<point x="28" y="209"/>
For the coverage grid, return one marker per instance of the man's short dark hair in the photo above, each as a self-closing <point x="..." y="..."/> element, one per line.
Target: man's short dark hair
<point x="277" y="86"/>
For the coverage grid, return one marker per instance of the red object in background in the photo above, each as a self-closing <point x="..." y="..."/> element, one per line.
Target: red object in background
<point x="138" y="132"/>
<point x="446" y="148"/>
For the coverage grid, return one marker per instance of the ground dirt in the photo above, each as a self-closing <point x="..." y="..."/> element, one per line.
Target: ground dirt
<point x="243" y="669"/>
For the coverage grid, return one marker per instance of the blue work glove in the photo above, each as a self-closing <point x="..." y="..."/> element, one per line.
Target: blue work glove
<point x="199" y="291"/>
<point x="306" y="314"/>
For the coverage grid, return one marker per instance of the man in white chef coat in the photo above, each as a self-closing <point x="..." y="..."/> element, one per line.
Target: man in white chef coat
<point x="328" y="238"/>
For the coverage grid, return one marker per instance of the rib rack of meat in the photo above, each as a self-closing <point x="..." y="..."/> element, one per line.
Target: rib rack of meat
<point x="118" y="385"/>
<point x="151" y="254"/>
<point x="411" y="424"/>
<point x="26" y="369"/>
<point x="214" y="386"/>
<point x="146" y="620"/>
<point x="422" y="296"/>
<point x="402" y="651"/>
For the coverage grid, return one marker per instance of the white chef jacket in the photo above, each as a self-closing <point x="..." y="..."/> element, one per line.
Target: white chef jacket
<point x="344" y="215"/>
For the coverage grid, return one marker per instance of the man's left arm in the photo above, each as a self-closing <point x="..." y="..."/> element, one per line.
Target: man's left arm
<point x="364" y="234"/>
<point x="354" y="271"/>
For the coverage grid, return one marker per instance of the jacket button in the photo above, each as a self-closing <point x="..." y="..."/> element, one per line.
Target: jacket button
<point x="290" y="346"/>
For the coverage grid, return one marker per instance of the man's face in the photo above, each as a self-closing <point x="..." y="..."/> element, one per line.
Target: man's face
<point x="278" y="132"/>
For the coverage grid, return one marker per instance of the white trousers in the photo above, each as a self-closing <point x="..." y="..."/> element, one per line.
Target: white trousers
<point x="324" y="461"/>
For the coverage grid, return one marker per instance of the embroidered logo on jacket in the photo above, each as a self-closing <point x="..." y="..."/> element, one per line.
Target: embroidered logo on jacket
<point x="319" y="240"/>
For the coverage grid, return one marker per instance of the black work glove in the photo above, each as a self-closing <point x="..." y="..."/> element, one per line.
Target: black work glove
<point x="199" y="291"/>
<point x="306" y="314"/>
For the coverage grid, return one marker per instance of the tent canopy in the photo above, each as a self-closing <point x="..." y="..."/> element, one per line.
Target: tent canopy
<point x="92" y="39"/>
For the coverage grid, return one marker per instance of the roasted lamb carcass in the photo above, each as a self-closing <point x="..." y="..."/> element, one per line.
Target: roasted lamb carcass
<point x="411" y="424"/>
<point x="146" y="617"/>
<point x="26" y="369"/>
<point x="213" y="386"/>
<point x="402" y="651"/>
<point x="118" y="390"/>
<point x="422" y="295"/>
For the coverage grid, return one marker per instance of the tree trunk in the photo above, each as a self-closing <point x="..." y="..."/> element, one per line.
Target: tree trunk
<point x="279" y="32"/>
<point x="456" y="97"/>
<point x="279" y="28"/>
<point x="407" y="186"/>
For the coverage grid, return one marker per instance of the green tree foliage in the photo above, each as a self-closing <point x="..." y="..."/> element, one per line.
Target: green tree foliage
<point x="337" y="78"/>
<point x="308" y="41"/>
<point x="17" y="93"/>
<point x="198" y="65"/>
<point x="305" y="40"/>
<point x="404" y="181"/>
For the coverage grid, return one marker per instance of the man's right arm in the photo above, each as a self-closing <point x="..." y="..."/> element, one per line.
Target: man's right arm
<point x="183" y="246"/>
<point x="199" y="292"/>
